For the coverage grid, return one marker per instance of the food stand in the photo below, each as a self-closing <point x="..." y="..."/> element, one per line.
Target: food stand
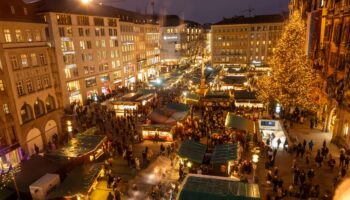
<point x="222" y="99"/>
<point x="160" y="131"/>
<point x="233" y="83"/>
<point x="132" y="102"/>
<point x="245" y="98"/>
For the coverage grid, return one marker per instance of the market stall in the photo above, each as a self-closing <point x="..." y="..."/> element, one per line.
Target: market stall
<point x="239" y="123"/>
<point x="203" y="187"/>
<point x="81" y="147"/>
<point x="157" y="131"/>
<point x="222" y="99"/>
<point x="79" y="183"/>
<point x="272" y="130"/>
<point x="234" y="83"/>
<point x="245" y="98"/>
<point x="224" y="155"/>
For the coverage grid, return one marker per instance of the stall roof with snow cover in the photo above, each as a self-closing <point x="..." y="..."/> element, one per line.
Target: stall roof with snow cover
<point x="169" y="114"/>
<point x="199" y="187"/>
<point x="193" y="151"/>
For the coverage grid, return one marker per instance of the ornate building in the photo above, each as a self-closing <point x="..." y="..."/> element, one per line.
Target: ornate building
<point x="330" y="54"/>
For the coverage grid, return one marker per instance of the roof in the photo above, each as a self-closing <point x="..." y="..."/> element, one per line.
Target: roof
<point x="19" y="16"/>
<point x="224" y="153"/>
<point x="78" y="181"/>
<point x="236" y="70"/>
<point x="239" y="80"/>
<point x="258" y="19"/>
<point x="193" y="151"/>
<point x="91" y="9"/>
<point x="175" y="20"/>
<point x="217" y="95"/>
<point x="237" y="122"/>
<point x="198" y="187"/>
<point x="245" y="95"/>
<point x="79" y="146"/>
<point x="169" y="114"/>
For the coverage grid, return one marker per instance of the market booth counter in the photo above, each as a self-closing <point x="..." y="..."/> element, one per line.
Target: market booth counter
<point x="203" y="187"/>
<point x="245" y="98"/>
<point x="157" y="131"/>
<point x="215" y="98"/>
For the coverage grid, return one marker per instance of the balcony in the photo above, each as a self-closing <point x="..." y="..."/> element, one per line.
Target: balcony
<point x="11" y="45"/>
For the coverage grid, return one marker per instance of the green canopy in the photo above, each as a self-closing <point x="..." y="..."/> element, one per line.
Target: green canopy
<point x="192" y="150"/>
<point x="224" y="153"/>
<point x="237" y="122"/>
<point x="199" y="187"/>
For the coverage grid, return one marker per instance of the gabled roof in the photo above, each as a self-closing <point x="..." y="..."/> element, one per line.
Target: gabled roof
<point x="244" y="94"/>
<point x="224" y="153"/>
<point x="258" y="19"/>
<point x="193" y="151"/>
<point x="240" y="80"/>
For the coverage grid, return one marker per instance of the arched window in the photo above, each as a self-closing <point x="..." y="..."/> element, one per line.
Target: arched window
<point x="50" y="103"/>
<point x="26" y="113"/>
<point x="39" y="108"/>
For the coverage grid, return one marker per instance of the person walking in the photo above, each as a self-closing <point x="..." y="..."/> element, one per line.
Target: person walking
<point x="311" y="145"/>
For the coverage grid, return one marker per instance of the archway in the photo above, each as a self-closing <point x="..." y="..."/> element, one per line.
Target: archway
<point x="50" y="129"/>
<point x="39" y="108"/>
<point x="26" y="113"/>
<point x="34" y="138"/>
<point x="50" y="103"/>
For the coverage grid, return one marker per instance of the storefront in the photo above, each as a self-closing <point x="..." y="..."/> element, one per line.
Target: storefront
<point x="75" y="97"/>
<point x="92" y="94"/>
<point x="10" y="155"/>
<point x="158" y="131"/>
<point x="272" y="129"/>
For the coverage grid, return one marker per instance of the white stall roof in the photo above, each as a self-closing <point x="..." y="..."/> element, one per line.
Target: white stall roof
<point x="44" y="180"/>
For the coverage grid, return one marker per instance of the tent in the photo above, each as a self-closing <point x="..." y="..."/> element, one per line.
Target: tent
<point x="193" y="151"/>
<point x="202" y="187"/>
<point x="224" y="153"/>
<point x="237" y="122"/>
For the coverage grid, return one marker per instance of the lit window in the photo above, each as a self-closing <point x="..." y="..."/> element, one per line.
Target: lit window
<point x="19" y="37"/>
<point x="6" y="108"/>
<point x="37" y="35"/>
<point x="7" y="34"/>
<point x="0" y="65"/>
<point x="20" y="89"/>
<point x="12" y="10"/>
<point x="14" y="62"/>
<point x="34" y="59"/>
<point x="29" y="35"/>
<point x="25" y="11"/>
<point x="346" y="129"/>
<point x="2" y="87"/>
<point x="24" y="60"/>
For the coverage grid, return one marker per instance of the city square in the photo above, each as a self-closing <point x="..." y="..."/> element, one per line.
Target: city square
<point x="174" y="100"/>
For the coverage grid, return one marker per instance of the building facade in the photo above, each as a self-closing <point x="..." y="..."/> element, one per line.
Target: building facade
<point x="99" y="48"/>
<point x="181" y="40"/>
<point x="245" y="40"/>
<point x="330" y="56"/>
<point x="31" y="112"/>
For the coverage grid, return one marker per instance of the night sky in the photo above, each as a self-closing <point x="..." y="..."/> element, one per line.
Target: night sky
<point x="204" y="11"/>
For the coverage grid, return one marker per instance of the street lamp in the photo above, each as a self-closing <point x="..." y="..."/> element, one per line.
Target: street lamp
<point x="86" y="1"/>
<point x="255" y="160"/>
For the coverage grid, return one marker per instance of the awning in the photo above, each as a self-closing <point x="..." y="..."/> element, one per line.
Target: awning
<point x="236" y="122"/>
<point x="201" y="187"/>
<point x="224" y="153"/>
<point x="193" y="151"/>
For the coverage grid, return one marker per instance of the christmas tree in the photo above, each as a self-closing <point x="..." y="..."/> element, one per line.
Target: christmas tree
<point x="290" y="81"/>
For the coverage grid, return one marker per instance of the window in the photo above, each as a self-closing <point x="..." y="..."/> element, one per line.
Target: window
<point x="25" y="11"/>
<point x="39" y="84"/>
<point x="26" y="113"/>
<point x="99" y="21"/>
<point x="103" y="43"/>
<point x="103" y="32"/>
<point x="42" y="59"/>
<point x="61" y="31"/>
<point x="81" y="31"/>
<point x="69" y="31"/>
<point x="37" y="35"/>
<point x="82" y="45"/>
<point x="2" y="87"/>
<point x="7" y="35"/>
<point x="346" y="129"/>
<point x="18" y="34"/>
<point x="69" y="59"/>
<point x="30" y="88"/>
<point x="20" y="89"/>
<point x="12" y="10"/>
<point x="14" y="62"/>
<point x="24" y="60"/>
<point x="112" y="22"/>
<point x="87" y="32"/>
<point x="64" y="19"/>
<point x="6" y="109"/>
<point x="83" y="20"/>
<point x="88" y="44"/>
<point x="46" y="81"/>
<point x="29" y="35"/>
<point x="50" y="103"/>
<point x="90" y="82"/>
<point x="34" y="59"/>
<point x="39" y="108"/>
<point x="0" y="65"/>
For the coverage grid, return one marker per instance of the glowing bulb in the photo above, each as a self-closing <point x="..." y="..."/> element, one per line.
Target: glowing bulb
<point x="85" y="1"/>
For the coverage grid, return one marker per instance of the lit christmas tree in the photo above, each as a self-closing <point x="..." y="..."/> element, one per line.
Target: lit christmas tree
<point x="291" y="80"/>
